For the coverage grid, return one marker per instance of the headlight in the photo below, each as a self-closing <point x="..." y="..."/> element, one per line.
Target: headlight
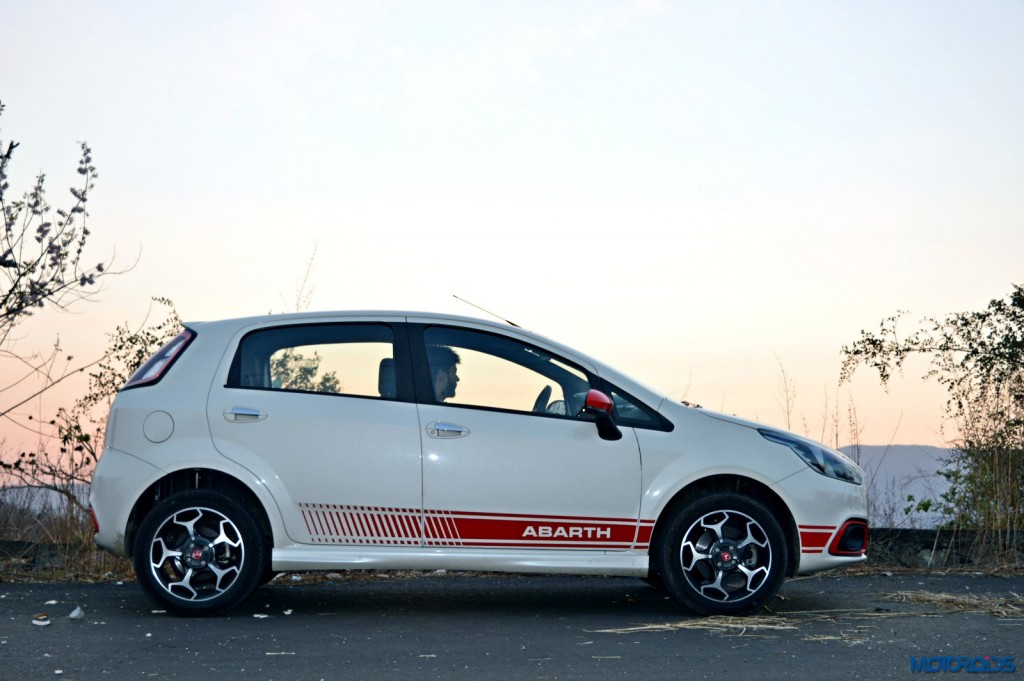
<point x="823" y="460"/>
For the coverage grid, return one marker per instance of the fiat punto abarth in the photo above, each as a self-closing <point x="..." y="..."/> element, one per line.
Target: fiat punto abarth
<point x="396" y="440"/>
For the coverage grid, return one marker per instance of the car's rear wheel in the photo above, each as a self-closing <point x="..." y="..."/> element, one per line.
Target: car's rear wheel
<point x="722" y="554"/>
<point x="199" y="553"/>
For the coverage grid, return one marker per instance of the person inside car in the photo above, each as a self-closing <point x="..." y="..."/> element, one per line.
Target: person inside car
<point x="443" y="362"/>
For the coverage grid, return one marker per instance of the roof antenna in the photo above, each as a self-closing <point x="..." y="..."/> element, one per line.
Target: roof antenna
<point x="487" y="311"/>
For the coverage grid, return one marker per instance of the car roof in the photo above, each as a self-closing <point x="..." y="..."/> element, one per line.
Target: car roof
<point x="324" y="315"/>
<point x="314" y="314"/>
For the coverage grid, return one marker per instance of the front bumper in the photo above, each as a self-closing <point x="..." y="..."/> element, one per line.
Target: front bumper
<point x="831" y="520"/>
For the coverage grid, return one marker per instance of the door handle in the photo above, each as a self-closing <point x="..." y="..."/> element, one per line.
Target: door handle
<point x="443" y="430"/>
<point x="243" y="415"/>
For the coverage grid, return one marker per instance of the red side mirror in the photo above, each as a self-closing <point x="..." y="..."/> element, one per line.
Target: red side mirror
<point x="598" y="401"/>
<point x="599" y="406"/>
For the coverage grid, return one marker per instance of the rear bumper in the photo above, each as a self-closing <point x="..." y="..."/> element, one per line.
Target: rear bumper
<point x="115" y="481"/>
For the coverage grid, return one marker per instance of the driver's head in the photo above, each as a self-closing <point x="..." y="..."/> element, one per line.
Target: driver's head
<point x="443" y="374"/>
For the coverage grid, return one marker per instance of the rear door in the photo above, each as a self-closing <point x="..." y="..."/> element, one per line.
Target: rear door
<point x="322" y="414"/>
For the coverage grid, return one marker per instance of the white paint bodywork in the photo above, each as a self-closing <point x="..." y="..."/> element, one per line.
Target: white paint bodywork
<point x="359" y="483"/>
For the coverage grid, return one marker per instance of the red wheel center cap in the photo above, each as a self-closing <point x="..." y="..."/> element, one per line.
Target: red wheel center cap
<point x="197" y="554"/>
<point x="726" y="556"/>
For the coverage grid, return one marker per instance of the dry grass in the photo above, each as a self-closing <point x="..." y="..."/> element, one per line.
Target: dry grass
<point x="762" y="626"/>
<point x="996" y="606"/>
<point x="48" y="540"/>
<point x="874" y="568"/>
<point x="852" y="633"/>
<point x="81" y="563"/>
<point x="722" y="625"/>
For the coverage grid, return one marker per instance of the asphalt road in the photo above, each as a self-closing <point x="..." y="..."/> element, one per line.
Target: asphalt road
<point x="512" y="627"/>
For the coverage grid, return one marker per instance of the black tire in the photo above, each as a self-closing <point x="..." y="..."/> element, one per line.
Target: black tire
<point x="267" y="576"/>
<point x="199" y="553"/>
<point x="654" y="580"/>
<point x="722" y="554"/>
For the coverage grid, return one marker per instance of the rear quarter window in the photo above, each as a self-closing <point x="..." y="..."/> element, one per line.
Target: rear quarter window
<point x="335" y="359"/>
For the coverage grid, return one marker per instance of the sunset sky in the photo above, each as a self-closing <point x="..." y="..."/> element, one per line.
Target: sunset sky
<point x="706" y="195"/>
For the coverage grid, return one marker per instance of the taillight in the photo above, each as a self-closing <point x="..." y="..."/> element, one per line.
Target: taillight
<point x="95" y="523"/>
<point x="157" y="365"/>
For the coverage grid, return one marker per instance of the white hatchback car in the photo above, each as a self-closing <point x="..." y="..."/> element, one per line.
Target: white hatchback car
<point x="394" y="440"/>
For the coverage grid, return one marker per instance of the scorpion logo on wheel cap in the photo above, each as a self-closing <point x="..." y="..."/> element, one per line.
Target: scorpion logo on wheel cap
<point x="725" y="555"/>
<point x="196" y="555"/>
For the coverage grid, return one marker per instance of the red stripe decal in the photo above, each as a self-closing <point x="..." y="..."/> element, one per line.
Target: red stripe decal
<point x="814" y="538"/>
<point x="342" y="524"/>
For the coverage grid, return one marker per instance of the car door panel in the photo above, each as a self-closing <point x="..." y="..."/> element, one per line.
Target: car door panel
<point x="344" y="469"/>
<point x="506" y="461"/>
<point x="524" y="481"/>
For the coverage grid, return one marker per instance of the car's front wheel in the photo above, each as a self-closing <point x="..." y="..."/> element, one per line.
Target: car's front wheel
<point x="199" y="553"/>
<point x="722" y="554"/>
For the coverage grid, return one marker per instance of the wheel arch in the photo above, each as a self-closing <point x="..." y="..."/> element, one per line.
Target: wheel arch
<point x="196" y="479"/>
<point x="741" y="485"/>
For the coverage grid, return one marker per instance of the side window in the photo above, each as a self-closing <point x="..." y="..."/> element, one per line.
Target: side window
<point x="338" y="359"/>
<point x="483" y="370"/>
<point x="630" y="412"/>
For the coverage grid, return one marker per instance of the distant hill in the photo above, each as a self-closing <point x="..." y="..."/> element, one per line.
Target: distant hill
<point x="896" y="471"/>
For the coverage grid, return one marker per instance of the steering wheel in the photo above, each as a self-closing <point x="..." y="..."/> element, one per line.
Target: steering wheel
<point x="541" y="403"/>
<point x="557" y="407"/>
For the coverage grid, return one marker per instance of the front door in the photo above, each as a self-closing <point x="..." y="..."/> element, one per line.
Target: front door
<point x="506" y="461"/>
